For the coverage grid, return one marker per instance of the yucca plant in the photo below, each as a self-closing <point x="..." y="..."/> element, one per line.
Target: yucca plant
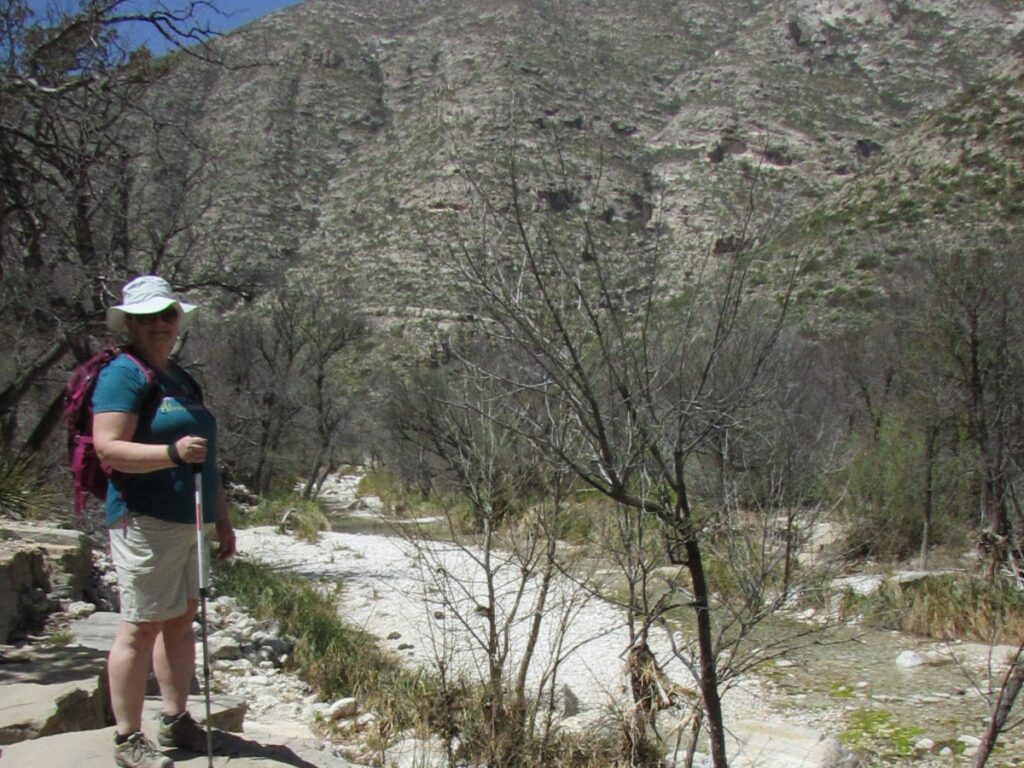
<point x="20" y="492"/>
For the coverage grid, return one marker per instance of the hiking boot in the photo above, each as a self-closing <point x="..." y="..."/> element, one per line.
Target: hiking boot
<point x="138" y="752"/>
<point x="183" y="733"/>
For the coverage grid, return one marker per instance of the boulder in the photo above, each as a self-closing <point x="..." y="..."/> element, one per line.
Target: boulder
<point x="51" y="562"/>
<point x="224" y="647"/>
<point x="21" y="570"/>
<point x="52" y="690"/>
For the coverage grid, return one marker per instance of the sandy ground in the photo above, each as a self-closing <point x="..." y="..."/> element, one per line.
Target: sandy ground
<point x="426" y="605"/>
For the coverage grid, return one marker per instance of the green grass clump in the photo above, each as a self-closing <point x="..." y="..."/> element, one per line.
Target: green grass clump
<point x="304" y="518"/>
<point x="334" y="658"/>
<point x="60" y="637"/>
<point x="381" y="483"/>
<point x="875" y="732"/>
<point x="951" y="606"/>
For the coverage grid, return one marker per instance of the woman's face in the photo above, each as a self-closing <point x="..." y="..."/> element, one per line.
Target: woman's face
<point x="156" y="332"/>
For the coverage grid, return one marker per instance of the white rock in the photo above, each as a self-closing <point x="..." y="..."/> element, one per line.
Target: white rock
<point x="924" y="745"/>
<point x="417" y="753"/>
<point x="968" y="740"/>
<point x="343" y="708"/>
<point x="909" y="660"/>
<point x="80" y="609"/>
<point x="373" y="503"/>
<point x="245" y="629"/>
<point x="224" y="647"/>
<point x="224" y="605"/>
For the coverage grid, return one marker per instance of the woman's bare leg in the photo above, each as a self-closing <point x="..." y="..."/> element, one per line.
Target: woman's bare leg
<point x="128" y="670"/>
<point x="174" y="660"/>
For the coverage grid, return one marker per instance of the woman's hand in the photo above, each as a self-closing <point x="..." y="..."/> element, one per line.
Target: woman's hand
<point x="226" y="546"/>
<point x="191" y="449"/>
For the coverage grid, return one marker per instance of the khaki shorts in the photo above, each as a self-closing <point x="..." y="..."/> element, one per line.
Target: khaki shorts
<point x="157" y="567"/>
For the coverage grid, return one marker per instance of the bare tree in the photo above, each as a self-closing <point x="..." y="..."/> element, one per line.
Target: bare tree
<point x="973" y="315"/>
<point x="283" y="390"/>
<point x="654" y="361"/>
<point x="72" y="109"/>
<point x="261" y="349"/>
<point x="331" y="327"/>
<point x="505" y="586"/>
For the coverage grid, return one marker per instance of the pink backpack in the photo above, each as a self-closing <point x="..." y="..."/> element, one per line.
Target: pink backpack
<point x="88" y="473"/>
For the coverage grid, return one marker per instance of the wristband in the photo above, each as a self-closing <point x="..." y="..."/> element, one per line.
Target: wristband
<point x="173" y="455"/>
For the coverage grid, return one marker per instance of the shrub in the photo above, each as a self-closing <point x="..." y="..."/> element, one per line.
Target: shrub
<point x="869" y="261"/>
<point x="951" y="606"/>
<point x="885" y="492"/>
<point x="303" y="517"/>
<point x="381" y="483"/>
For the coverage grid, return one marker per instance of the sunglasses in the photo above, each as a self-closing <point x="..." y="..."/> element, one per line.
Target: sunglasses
<point x="169" y="315"/>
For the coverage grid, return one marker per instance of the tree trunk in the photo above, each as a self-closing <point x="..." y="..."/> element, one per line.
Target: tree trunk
<point x="11" y="395"/>
<point x="705" y="643"/>
<point x="314" y="473"/>
<point x="931" y="433"/>
<point x="46" y="424"/>
<point x="1001" y="712"/>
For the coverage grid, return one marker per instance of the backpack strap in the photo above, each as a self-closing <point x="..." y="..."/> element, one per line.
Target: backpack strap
<point x="151" y="396"/>
<point x="146" y="370"/>
<point x="191" y="385"/>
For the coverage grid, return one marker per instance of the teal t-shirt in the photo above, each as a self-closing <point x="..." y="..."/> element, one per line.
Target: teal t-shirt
<point x="164" y="417"/>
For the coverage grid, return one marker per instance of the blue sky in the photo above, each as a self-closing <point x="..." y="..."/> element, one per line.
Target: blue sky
<point x="220" y="15"/>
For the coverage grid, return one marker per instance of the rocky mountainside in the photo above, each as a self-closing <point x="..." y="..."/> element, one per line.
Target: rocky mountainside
<point x="341" y="135"/>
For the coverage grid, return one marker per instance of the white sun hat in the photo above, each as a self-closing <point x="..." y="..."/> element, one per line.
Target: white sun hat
<point x="144" y="296"/>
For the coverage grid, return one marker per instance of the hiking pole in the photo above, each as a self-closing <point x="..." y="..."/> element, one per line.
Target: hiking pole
<point x="203" y="555"/>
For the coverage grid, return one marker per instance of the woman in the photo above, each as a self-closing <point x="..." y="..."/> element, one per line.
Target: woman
<point x="152" y="435"/>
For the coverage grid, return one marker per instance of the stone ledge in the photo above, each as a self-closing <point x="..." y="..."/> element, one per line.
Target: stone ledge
<point x="94" y="749"/>
<point x="53" y="562"/>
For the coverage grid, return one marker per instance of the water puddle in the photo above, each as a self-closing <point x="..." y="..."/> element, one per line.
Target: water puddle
<point x="885" y="710"/>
